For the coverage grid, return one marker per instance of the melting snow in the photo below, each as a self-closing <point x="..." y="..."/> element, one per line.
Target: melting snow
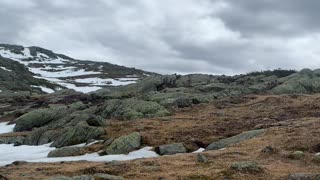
<point x="4" y="128"/>
<point x="199" y="150"/>
<point x="10" y="153"/>
<point x="5" y="69"/>
<point x="45" y="89"/>
<point x="113" y="82"/>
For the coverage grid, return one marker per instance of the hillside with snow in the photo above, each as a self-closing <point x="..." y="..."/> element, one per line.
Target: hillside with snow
<point x="61" y="70"/>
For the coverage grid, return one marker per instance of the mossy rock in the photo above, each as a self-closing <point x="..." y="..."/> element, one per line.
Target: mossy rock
<point x="78" y="134"/>
<point x="38" y="118"/>
<point x="124" y="144"/>
<point x="129" y="109"/>
<point x="246" y="167"/>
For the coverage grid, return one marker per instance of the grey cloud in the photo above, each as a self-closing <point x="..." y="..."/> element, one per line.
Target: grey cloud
<point x="185" y="36"/>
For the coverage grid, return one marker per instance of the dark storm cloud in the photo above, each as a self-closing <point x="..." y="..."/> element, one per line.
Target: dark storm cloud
<point x="184" y="36"/>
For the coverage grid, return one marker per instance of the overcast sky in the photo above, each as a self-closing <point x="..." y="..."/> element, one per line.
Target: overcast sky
<point x="168" y="36"/>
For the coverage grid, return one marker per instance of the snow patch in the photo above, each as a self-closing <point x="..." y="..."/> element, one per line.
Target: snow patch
<point x="5" y="69"/>
<point x="5" y="128"/>
<point x="44" y="89"/>
<point x="199" y="150"/>
<point x="10" y="153"/>
<point x="103" y="82"/>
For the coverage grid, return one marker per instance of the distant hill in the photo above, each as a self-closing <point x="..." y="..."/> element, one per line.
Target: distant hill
<point x="80" y="75"/>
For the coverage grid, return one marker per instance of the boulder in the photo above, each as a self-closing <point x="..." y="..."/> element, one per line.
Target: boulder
<point x="124" y="144"/>
<point x="38" y="118"/>
<point x="129" y="109"/>
<point x="96" y="121"/>
<point x="299" y="176"/>
<point x="17" y="140"/>
<point x="202" y="158"/>
<point x="171" y="149"/>
<point x="41" y="136"/>
<point x="66" y="151"/>
<point x="296" y="155"/>
<point x="246" y="167"/>
<point x="78" y="134"/>
<point x="235" y="139"/>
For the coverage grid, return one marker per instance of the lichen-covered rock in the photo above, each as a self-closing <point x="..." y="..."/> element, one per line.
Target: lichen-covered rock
<point x="299" y="176"/>
<point x="129" y="109"/>
<point x="41" y="136"/>
<point x="235" y="139"/>
<point x="78" y="134"/>
<point x="297" y="155"/>
<point x="96" y="121"/>
<point x="171" y="149"/>
<point x="202" y="158"/>
<point x="246" y="167"/>
<point x="38" y="118"/>
<point x="124" y="144"/>
<point x="66" y="151"/>
<point x="17" y="140"/>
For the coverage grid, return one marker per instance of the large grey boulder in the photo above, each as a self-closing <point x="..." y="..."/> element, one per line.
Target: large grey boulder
<point x="41" y="136"/>
<point x="124" y="144"/>
<point x="38" y="118"/>
<point x="171" y="149"/>
<point x="66" y="151"/>
<point x="96" y="121"/>
<point x="78" y="134"/>
<point x="18" y="140"/>
<point x="235" y="139"/>
<point x="129" y="109"/>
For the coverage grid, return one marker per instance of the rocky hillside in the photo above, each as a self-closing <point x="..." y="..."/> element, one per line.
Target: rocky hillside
<point x="84" y="76"/>
<point x="242" y="127"/>
<point x="15" y="77"/>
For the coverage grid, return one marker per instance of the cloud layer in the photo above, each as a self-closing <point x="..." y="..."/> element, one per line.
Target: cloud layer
<point x="184" y="36"/>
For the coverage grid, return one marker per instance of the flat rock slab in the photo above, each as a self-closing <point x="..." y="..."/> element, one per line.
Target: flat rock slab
<point x="235" y="139"/>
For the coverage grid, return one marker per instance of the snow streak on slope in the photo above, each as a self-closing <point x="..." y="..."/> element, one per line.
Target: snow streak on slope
<point x="64" y="71"/>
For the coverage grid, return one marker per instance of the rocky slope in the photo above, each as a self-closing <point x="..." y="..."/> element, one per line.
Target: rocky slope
<point x="247" y="115"/>
<point x="83" y="76"/>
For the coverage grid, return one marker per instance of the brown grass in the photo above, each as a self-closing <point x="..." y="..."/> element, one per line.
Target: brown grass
<point x="293" y="124"/>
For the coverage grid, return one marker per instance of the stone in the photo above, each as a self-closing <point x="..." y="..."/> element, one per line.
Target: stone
<point x="171" y="149"/>
<point x="83" y="177"/>
<point x="78" y="106"/>
<point x="96" y="121"/>
<point x="269" y="150"/>
<point x="246" y="167"/>
<point x="81" y="133"/>
<point x="100" y="176"/>
<point x="124" y="144"/>
<point x="130" y="109"/>
<point x="17" y="140"/>
<point x="41" y="136"/>
<point x="61" y="178"/>
<point x="299" y="176"/>
<point x="296" y="155"/>
<point x="66" y="151"/>
<point x="38" y="118"/>
<point x="316" y="158"/>
<point x="235" y="139"/>
<point x="202" y="158"/>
